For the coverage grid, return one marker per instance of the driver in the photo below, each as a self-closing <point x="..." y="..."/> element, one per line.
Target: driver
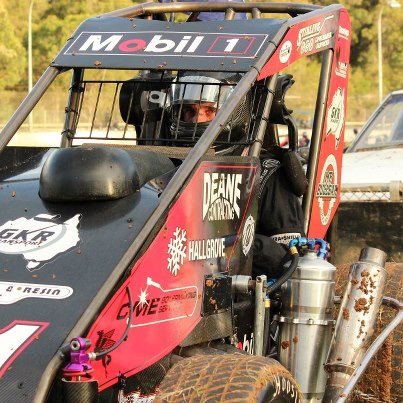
<point x="195" y="101"/>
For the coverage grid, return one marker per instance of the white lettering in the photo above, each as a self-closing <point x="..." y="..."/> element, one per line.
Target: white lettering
<point x="157" y="44"/>
<point x="182" y="44"/>
<point x="95" y="42"/>
<point x="231" y="44"/>
<point x="192" y="48"/>
<point x="206" y="249"/>
<point x="221" y="196"/>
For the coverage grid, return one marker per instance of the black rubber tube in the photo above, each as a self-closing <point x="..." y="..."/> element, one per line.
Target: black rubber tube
<point x="287" y="274"/>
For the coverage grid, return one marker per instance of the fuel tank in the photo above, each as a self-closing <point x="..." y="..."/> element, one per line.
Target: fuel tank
<point x="306" y="323"/>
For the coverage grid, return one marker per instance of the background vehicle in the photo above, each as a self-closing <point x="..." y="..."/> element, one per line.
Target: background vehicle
<point x="372" y="185"/>
<point x="126" y="253"/>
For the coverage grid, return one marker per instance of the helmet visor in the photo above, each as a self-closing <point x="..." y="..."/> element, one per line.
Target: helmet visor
<point x="200" y="89"/>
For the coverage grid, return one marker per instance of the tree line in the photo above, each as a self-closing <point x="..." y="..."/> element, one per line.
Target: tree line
<point x="53" y="22"/>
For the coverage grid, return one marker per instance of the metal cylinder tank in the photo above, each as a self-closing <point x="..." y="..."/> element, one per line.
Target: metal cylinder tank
<point x="306" y="323"/>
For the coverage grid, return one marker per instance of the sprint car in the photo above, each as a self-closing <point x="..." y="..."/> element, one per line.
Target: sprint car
<point x="126" y="252"/>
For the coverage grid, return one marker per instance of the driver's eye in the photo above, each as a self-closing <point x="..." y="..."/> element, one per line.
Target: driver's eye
<point x="188" y="110"/>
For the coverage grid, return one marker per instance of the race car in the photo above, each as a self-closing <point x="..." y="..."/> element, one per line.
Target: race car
<point x="127" y="253"/>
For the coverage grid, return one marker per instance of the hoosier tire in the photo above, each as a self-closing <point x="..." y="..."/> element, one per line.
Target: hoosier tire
<point x="228" y="378"/>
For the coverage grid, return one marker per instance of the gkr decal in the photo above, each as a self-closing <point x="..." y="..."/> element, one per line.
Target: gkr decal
<point x="39" y="239"/>
<point x="14" y="338"/>
<point x="156" y="304"/>
<point x="312" y="38"/>
<point x="11" y="292"/>
<point x="327" y="189"/>
<point x="221" y="196"/>
<point x="335" y="116"/>
<point x="167" y="43"/>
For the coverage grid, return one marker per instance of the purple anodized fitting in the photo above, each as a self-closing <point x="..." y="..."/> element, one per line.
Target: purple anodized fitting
<point x="79" y="359"/>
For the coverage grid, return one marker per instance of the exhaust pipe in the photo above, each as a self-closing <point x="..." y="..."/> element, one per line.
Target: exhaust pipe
<point x="356" y="320"/>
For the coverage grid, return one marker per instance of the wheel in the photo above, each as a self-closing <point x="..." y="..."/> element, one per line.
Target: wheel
<point x="228" y="378"/>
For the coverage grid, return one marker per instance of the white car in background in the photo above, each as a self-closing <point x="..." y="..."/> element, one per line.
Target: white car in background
<point x="373" y="164"/>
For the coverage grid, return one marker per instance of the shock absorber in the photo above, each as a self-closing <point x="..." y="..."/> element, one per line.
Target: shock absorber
<point x="306" y="317"/>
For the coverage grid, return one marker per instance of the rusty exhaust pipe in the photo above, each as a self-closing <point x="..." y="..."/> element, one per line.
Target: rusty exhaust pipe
<point x="356" y="320"/>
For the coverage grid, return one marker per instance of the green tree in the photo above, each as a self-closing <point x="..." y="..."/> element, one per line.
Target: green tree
<point x="12" y="52"/>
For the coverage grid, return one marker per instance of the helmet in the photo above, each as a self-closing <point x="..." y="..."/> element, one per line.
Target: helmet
<point x="195" y="99"/>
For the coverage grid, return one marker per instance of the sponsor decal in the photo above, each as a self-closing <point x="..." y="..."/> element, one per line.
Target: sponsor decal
<point x="15" y="338"/>
<point x="311" y="38"/>
<point x="284" y="386"/>
<point x="344" y="32"/>
<point x="135" y="397"/>
<point x="248" y="235"/>
<point x="221" y="195"/>
<point x="285" y="52"/>
<point x="335" y="116"/>
<point x="247" y="344"/>
<point x="341" y="69"/>
<point x="103" y="343"/>
<point x="39" y="239"/>
<point x="12" y="292"/>
<point x="286" y="237"/>
<point x="206" y="249"/>
<point x="176" y="250"/>
<point x="163" y="306"/>
<point x="327" y="189"/>
<point x="179" y="248"/>
<point x="167" y="44"/>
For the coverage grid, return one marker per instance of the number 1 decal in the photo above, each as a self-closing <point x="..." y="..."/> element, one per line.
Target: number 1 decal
<point x="14" y="338"/>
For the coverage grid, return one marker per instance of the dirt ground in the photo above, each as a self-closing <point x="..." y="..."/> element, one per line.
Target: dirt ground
<point x="383" y="379"/>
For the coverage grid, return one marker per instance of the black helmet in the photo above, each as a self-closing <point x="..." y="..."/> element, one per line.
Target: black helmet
<point x="193" y="91"/>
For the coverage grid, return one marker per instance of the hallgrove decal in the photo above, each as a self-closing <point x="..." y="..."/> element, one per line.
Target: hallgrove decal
<point x="39" y="239"/>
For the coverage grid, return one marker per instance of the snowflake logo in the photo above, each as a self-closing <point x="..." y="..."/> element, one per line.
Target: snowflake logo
<point x="176" y="250"/>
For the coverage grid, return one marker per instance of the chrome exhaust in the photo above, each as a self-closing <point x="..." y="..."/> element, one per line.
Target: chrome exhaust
<point x="356" y="320"/>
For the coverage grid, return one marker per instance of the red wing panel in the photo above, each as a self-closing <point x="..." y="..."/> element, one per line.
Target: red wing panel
<point x="199" y="237"/>
<point x="327" y="182"/>
<point x="311" y="36"/>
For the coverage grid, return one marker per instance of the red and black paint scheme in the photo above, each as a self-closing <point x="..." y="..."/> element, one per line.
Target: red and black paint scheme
<point x="75" y="265"/>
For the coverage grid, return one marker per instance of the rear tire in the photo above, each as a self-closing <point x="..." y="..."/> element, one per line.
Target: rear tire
<point x="228" y="378"/>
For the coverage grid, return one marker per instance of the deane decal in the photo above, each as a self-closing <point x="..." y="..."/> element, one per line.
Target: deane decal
<point x="11" y="292"/>
<point x="15" y="337"/>
<point x="40" y="238"/>
<point x="335" y="116"/>
<point x="248" y="235"/>
<point x="221" y="194"/>
<point x="327" y="189"/>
